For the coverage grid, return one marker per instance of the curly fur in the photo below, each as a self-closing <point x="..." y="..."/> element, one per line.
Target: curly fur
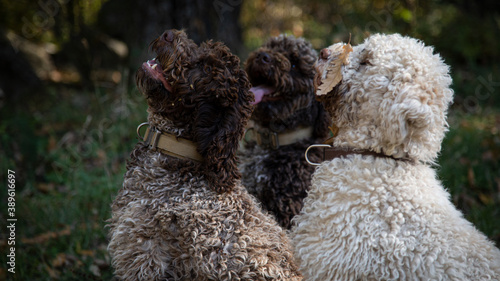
<point x="279" y="178"/>
<point x="376" y="218"/>
<point x="178" y="219"/>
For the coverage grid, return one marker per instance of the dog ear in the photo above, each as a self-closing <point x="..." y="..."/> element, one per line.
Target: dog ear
<point x="417" y="120"/>
<point x="406" y="119"/>
<point x="219" y="124"/>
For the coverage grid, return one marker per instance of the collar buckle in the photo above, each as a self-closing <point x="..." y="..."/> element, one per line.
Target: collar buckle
<point x="152" y="137"/>
<point x="268" y="139"/>
<point x="316" y="146"/>
<point x="168" y="143"/>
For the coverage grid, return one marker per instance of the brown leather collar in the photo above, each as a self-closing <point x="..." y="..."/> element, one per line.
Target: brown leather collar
<point x="169" y="144"/>
<point x="330" y="153"/>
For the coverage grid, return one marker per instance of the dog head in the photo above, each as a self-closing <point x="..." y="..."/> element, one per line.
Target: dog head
<point x="282" y="73"/>
<point x="392" y="97"/>
<point x="163" y="79"/>
<point x="203" y="94"/>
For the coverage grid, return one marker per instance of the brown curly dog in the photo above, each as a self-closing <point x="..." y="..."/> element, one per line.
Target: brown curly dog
<point x="182" y="213"/>
<point x="287" y="119"/>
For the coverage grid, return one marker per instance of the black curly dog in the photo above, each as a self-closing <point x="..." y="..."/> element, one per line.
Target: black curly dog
<point x="286" y="120"/>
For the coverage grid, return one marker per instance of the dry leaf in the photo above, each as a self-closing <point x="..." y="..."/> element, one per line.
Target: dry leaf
<point x="42" y="238"/>
<point x="45" y="187"/>
<point x="60" y="260"/>
<point x="89" y="253"/>
<point x="334" y="130"/>
<point x="486" y="199"/>
<point x="470" y="177"/>
<point x="52" y="145"/>
<point x="53" y="273"/>
<point x="332" y="73"/>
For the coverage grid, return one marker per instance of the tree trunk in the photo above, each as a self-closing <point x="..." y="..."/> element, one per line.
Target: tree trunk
<point x="138" y="23"/>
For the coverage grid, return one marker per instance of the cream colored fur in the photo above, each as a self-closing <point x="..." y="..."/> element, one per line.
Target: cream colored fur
<point x="375" y="218"/>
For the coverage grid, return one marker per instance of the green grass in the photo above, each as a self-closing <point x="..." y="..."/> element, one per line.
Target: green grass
<point x="69" y="167"/>
<point x="69" y="153"/>
<point x="470" y="168"/>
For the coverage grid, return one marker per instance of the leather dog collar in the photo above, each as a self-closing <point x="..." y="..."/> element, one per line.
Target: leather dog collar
<point x="169" y="144"/>
<point x="331" y="152"/>
<point x="271" y="139"/>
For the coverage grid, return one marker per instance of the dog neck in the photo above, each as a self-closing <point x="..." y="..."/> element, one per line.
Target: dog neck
<point x="169" y="144"/>
<point x="271" y="139"/>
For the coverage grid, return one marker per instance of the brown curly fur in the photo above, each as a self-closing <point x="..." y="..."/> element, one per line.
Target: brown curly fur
<point x="178" y="219"/>
<point x="280" y="178"/>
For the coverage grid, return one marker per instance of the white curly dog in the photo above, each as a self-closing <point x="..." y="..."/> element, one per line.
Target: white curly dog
<point x="377" y="211"/>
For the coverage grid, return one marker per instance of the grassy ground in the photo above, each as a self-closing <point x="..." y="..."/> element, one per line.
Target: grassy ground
<point x="68" y="168"/>
<point x="470" y="168"/>
<point x="69" y="154"/>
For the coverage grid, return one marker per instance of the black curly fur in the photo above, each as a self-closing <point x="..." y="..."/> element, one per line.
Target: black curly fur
<point x="280" y="178"/>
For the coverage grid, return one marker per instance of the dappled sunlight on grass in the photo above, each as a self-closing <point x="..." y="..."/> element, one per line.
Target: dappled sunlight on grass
<point x="82" y="141"/>
<point x="469" y="166"/>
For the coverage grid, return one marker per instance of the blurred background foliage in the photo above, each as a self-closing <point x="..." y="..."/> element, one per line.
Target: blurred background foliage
<point x="69" y="107"/>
